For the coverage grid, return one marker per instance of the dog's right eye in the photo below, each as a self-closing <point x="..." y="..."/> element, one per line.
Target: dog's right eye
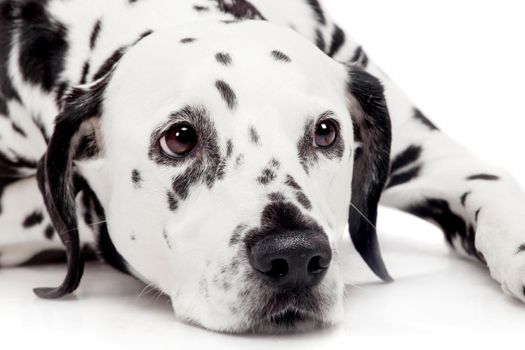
<point x="179" y="140"/>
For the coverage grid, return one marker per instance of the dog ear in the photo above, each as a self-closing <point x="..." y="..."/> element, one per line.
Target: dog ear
<point x="372" y="131"/>
<point x="76" y="136"/>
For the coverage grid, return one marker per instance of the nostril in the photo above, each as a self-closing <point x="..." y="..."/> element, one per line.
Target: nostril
<point x="279" y="268"/>
<point x="315" y="266"/>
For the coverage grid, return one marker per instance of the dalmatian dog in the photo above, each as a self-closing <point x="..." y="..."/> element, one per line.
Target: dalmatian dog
<point x="219" y="150"/>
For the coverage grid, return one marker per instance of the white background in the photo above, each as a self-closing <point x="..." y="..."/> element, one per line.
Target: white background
<point x="462" y="62"/>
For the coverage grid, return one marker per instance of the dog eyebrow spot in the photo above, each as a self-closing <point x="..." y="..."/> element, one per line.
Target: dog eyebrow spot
<point x="267" y="176"/>
<point x="223" y="58"/>
<point x="49" y="232"/>
<point x="173" y="203"/>
<point x="486" y="177"/>
<point x="136" y="178"/>
<point x="33" y="219"/>
<point x="187" y="40"/>
<point x="227" y="93"/>
<point x="254" y="135"/>
<point x="280" y="56"/>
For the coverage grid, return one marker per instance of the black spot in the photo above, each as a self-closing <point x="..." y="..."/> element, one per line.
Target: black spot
<point x="223" y="58"/>
<point x="173" y="203"/>
<point x="33" y="219"/>
<point x="521" y="249"/>
<point x="404" y="177"/>
<point x="303" y="200"/>
<point x="409" y="156"/>
<point x="3" y="108"/>
<point x="143" y="35"/>
<point x="136" y="178"/>
<point x="319" y="40"/>
<point x="280" y="56"/>
<point x="464" y="198"/>
<point x="84" y="74"/>
<point x="240" y="9"/>
<point x="95" y="33"/>
<point x="43" y="45"/>
<point x="254" y="136"/>
<point x="338" y="39"/>
<point x="201" y="8"/>
<point x="290" y="181"/>
<point x="486" y="177"/>
<point x="108" y="65"/>
<point x="418" y="115"/>
<point x="187" y="40"/>
<point x="167" y="239"/>
<point x="227" y="93"/>
<point x="267" y="176"/>
<point x="18" y="129"/>
<point x="229" y="149"/>
<point x="453" y="225"/>
<point x="49" y="232"/>
<point x="360" y="57"/>
<point x="318" y="11"/>
<point x="236" y="235"/>
<point x="276" y="197"/>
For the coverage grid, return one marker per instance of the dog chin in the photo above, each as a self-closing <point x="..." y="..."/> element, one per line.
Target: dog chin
<point x="291" y="320"/>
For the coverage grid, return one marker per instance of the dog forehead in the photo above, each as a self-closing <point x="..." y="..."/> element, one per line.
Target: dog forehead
<point x="252" y="59"/>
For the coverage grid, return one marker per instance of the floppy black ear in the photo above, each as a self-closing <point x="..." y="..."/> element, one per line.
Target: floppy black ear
<point x="75" y="137"/>
<point x="372" y="130"/>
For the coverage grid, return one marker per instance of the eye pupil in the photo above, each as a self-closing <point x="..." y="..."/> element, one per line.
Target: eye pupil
<point x="179" y="141"/>
<point x="325" y="133"/>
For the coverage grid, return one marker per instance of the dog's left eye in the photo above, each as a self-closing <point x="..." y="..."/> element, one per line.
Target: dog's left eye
<point x="326" y="133"/>
<point x="179" y="140"/>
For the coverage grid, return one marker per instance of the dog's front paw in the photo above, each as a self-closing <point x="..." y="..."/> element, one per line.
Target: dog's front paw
<point x="513" y="276"/>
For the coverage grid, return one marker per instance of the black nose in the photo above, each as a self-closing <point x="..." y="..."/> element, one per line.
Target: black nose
<point x="291" y="260"/>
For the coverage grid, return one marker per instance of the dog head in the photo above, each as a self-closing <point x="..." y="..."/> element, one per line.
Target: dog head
<point x="222" y="163"/>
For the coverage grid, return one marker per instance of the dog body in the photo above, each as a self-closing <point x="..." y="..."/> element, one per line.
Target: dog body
<point x="292" y="140"/>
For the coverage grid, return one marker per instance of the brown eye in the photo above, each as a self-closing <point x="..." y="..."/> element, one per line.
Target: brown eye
<point x="179" y="140"/>
<point x="325" y="133"/>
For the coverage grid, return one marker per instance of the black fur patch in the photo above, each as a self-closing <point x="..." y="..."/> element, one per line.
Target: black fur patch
<point x="143" y="35"/>
<point x="18" y="129"/>
<point x="464" y="198"/>
<point x="521" y="249"/>
<point x="136" y="178"/>
<point x="240" y="9"/>
<point x="338" y="40"/>
<point x="267" y="176"/>
<point x="201" y="8"/>
<point x="303" y="200"/>
<point x="280" y="56"/>
<point x="319" y="40"/>
<point x="453" y="225"/>
<point x="276" y="197"/>
<point x="224" y="58"/>
<point x="43" y="45"/>
<point x="108" y="65"/>
<point x="187" y="40"/>
<point x="95" y="33"/>
<point x="173" y="203"/>
<point x="236" y="235"/>
<point x="49" y="232"/>
<point x="486" y="177"/>
<point x="229" y="148"/>
<point x="167" y="239"/>
<point x="360" y="57"/>
<point x="290" y="181"/>
<point x="408" y="157"/>
<point x="255" y="138"/>
<point x="418" y="115"/>
<point x="404" y="177"/>
<point x="207" y="166"/>
<point x="33" y="219"/>
<point x="84" y="74"/>
<point x="318" y="11"/>
<point x="227" y="93"/>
